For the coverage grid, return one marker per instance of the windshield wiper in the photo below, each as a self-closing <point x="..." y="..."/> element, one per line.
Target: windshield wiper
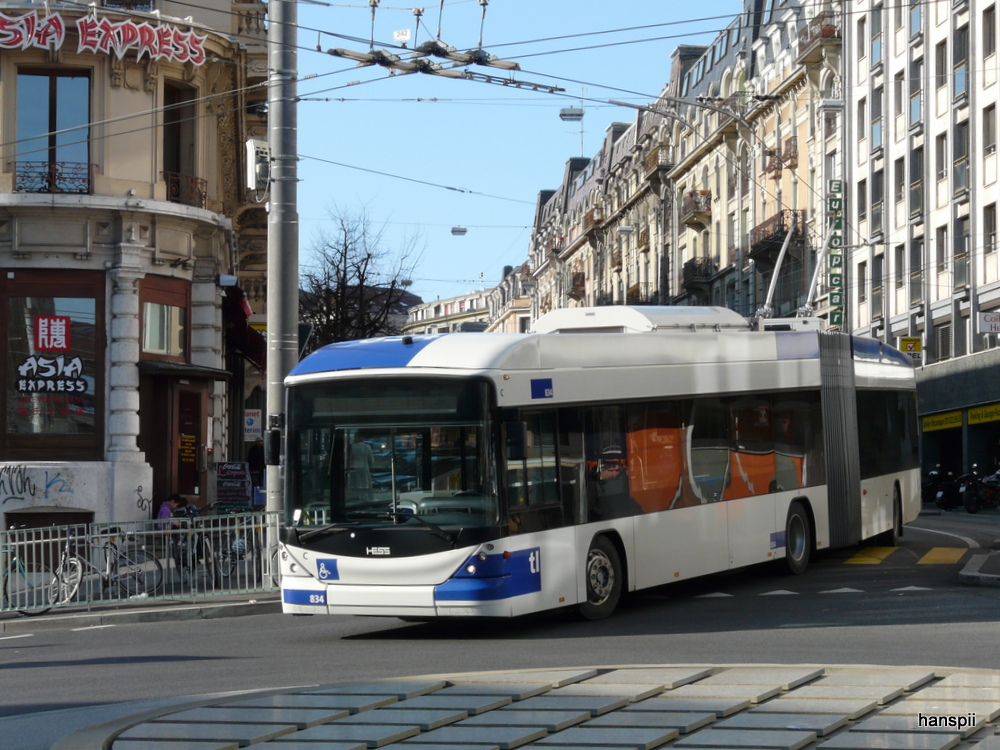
<point x="435" y="529"/>
<point x="322" y="532"/>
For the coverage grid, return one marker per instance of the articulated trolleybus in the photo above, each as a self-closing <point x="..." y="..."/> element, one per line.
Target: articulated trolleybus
<point x="610" y="450"/>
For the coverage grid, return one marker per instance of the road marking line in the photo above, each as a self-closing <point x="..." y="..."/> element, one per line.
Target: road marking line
<point x="942" y="556"/>
<point x="870" y="556"/>
<point x="843" y="591"/>
<point x="12" y="637"/>
<point x="913" y="588"/>
<point x="778" y="592"/>
<point x="972" y="543"/>
<point x="91" y="627"/>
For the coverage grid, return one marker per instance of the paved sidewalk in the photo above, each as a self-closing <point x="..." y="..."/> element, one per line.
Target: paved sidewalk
<point x="597" y="708"/>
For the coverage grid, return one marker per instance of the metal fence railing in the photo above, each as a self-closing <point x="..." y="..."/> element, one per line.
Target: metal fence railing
<point x="177" y="559"/>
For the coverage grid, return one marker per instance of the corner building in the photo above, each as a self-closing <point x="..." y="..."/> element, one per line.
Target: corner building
<point x="923" y="90"/>
<point x="127" y="238"/>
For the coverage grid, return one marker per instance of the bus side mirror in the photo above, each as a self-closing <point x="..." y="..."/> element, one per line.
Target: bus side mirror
<point x="272" y="447"/>
<point x="517" y="441"/>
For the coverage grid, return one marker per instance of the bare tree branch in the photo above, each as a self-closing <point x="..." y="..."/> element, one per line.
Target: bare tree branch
<point x="357" y="288"/>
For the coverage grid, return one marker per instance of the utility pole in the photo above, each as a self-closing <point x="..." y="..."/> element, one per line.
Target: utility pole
<point x="282" y="227"/>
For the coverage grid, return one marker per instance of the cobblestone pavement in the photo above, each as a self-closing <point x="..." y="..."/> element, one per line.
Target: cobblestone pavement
<point x="700" y="707"/>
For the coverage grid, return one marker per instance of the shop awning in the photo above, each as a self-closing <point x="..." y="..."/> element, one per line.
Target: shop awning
<point x="181" y="370"/>
<point x="240" y="337"/>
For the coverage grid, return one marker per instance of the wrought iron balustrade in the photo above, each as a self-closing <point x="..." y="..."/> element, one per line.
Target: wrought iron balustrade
<point x="53" y="177"/>
<point x="183" y="188"/>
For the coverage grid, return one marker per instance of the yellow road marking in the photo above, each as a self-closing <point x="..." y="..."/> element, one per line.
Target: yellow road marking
<point x="942" y="556"/>
<point x="870" y="556"/>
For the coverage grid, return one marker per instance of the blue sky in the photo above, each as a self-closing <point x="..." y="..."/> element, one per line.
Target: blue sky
<point x="486" y="150"/>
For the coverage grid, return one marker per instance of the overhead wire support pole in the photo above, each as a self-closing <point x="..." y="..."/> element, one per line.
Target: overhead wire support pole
<point x="282" y="228"/>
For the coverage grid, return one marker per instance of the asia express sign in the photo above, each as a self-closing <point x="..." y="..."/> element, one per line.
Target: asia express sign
<point x="160" y="42"/>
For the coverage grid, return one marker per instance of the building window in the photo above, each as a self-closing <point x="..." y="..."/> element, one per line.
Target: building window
<point x="52" y="330"/>
<point x="899" y="261"/>
<point x="876" y="129"/>
<point x="165" y="312"/>
<point x="916" y="272"/>
<point x="899" y="93"/>
<point x="960" y="254"/>
<point x="916" y="91"/>
<point x="990" y="228"/>
<point x="943" y="336"/>
<point x="863" y="281"/>
<point x="916" y="17"/>
<point x="899" y="180"/>
<point x="862" y="200"/>
<point x="941" y="248"/>
<point x="877" y="299"/>
<point x="180" y="119"/>
<point x="941" y="157"/>
<point x="990" y="31"/>
<point x="916" y="181"/>
<point x="53" y="134"/>
<point x="961" y="156"/>
<point x="876" y="46"/>
<point x="960" y="55"/>
<point x="878" y="196"/>
<point x="861" y="39"/>
<point x="990" y="129"/>
<point x="863" y="117"/>
<point x="941" y="65"/>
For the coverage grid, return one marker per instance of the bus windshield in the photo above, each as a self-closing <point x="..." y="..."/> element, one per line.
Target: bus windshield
<point x="392" y="451"/>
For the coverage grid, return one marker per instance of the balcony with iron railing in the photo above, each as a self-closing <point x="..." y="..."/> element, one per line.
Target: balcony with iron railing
<point x="821" y="32"/>
<point x="53" y="177"/>
<point x="696" y="208"/>
<point x="592" y="220"/>
<point x="185" y="189"/>
<point x="659" y="159"/>
<point x="767" y="238"/>
<point x="697" y="273"/>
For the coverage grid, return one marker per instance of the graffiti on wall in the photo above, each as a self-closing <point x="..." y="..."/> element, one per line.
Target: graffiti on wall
<point x="23" y="483"/>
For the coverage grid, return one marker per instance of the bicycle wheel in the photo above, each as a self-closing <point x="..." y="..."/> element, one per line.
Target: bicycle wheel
<point x="137" y="571"/>
<point x="225" y="555"/>
<point x="66" y="583"/>
<point x="28" y="587"/>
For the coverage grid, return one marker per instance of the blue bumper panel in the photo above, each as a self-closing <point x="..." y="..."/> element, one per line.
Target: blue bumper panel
<point x="523" y="575"/>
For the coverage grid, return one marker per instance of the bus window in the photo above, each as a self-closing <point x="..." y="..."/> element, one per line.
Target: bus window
<point x="608" y="493"/>
<point x="655" y="455"/>
<point x="753" y="466"/>
<point x="533" y="502"/>
<point x="709" y="441"/>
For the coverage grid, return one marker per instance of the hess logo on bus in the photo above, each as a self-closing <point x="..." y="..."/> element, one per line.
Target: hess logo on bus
<point x="378" y="551"/>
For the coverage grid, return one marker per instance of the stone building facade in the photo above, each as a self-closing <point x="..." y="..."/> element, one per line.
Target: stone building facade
<point x="127" y="238"/>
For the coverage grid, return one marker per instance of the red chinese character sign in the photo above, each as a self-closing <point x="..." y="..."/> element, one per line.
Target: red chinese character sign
<point x="160" y="42"/>
<point x="52" y="333"/>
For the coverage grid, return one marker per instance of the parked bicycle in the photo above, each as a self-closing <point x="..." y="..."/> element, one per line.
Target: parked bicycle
<point x="239" y="541"/>
<point x="190" y="547"/>
<point x="28" y="582"/>
<point x="124" y="564"/>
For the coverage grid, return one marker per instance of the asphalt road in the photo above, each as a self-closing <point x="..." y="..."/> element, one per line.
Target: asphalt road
<point x="850" y="607"/>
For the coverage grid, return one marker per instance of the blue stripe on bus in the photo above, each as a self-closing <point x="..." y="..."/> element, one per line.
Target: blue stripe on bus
<point x="308" y="597"/>
<point x="873" y="350"/>
<point x="542" y="388"/>
<point x="777" y="540"/>
<point x="359" y="355"/>
<point x="523" y="576"/>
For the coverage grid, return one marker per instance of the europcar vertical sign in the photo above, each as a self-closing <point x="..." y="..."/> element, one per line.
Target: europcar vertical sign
<point x="835" y="214"/>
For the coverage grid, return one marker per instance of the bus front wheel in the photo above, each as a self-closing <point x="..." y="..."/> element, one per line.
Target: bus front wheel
<point x="604" y="579"/>
<point x="798" y="539"/>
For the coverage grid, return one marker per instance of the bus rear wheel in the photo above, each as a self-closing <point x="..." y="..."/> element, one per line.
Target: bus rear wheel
<point x="798" y="539"/>
<point x="604" y="579"/>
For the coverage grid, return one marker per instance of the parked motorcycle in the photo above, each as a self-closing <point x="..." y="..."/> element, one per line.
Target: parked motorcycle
<point x="968" y="490"/>
<point x="984" y="492"/>
<point x="944" y="489"/>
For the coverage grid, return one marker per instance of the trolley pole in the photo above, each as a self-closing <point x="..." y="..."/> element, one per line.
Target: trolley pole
<point x="282" y="228"/>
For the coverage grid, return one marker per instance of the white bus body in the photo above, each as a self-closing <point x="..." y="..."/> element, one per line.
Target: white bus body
<point x="614" y="449"/>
